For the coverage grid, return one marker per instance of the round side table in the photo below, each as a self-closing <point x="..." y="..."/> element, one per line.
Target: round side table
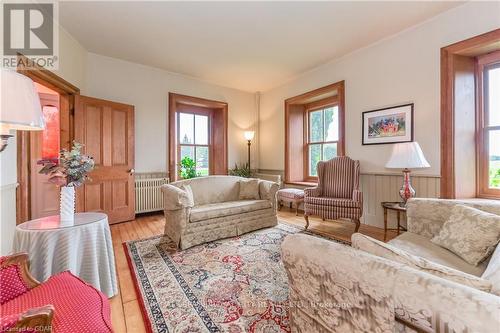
<point x="398" y="208"/>
<point x="85" y="248"/>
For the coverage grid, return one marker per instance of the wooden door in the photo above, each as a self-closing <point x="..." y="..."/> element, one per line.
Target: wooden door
<point x="107" y="131"/>
<point x="44" y="195"/>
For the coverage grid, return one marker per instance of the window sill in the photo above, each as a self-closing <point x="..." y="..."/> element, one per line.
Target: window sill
<point x="308" y="184"/>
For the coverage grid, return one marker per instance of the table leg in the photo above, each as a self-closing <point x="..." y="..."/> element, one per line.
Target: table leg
<point x="385" y="224"/>
<point x="399" y="220"/>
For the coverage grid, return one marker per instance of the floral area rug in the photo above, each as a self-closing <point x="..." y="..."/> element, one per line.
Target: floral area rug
<point x="233" y="285"/>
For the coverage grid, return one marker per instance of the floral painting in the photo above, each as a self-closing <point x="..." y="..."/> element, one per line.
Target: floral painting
<point x="389" y="125"/>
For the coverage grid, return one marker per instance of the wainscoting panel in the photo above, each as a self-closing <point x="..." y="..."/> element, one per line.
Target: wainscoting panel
<point x="384" y="187"/>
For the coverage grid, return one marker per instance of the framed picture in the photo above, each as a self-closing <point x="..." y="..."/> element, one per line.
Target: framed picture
<point x="388" y="125"/>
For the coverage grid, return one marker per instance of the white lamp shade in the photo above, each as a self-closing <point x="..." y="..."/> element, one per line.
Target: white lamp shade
<point x="249" y="135"/>
<point x="407" y="155"/>
<point x="20" y="103"/>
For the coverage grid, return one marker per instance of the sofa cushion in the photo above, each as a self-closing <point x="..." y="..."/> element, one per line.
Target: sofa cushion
<point x="78" y="306"/>
<point x="249" y="189"/>
<point x="210" y="211"/>
<point x="393" y="253"/>
<point x="423" y="247"/>
<point x="469" y="233"/>
<point x="11" y="283"/>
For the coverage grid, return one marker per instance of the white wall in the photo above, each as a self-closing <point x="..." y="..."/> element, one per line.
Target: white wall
<point x="147" y="89"/>
<point x="401" y="69"/>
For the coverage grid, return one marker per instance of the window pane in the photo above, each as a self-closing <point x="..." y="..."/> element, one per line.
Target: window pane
<point x="187" y="151"/>
<point x="202" y="160"/>
<point x="201" y="127"/>
<point x="332" y="123"/>
<point x="186" y="128"/>
<point x="494" y="97"/>
<point x="329" y="151"/>
<point x="314" y="158"/>
<point x="316" y="126"/>
<point x="494" y="159"/>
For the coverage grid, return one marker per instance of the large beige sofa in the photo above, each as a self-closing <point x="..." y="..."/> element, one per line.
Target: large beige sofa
<point x="216" y="211"/>
<point x="337" y="288"/>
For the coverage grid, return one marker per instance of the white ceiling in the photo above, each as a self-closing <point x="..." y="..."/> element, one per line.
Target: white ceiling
<point x="252" y="46"/>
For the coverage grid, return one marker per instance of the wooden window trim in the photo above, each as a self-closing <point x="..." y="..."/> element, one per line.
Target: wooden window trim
<point x="470" y="47"/>
<point x="491" y="60"/>
<point x="219" y="134"/>
<point x="295" y="145"/>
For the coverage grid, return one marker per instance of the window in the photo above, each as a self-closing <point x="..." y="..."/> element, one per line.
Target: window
<point x="197" y="129"/>
<point x="323" y="136"/>
<point x="489" y="125"/>
<point x="314" y="131"/>
<point x="194" y="142"/>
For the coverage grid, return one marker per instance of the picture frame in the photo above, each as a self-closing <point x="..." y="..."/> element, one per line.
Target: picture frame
<point x="388" y="125"/>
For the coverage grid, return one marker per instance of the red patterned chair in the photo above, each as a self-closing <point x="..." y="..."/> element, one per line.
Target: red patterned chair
<point x="62" y="304"/>
<point x="337" y="194"/>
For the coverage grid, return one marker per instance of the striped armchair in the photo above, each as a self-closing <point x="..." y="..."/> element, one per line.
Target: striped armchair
<point x="337" y="194"/>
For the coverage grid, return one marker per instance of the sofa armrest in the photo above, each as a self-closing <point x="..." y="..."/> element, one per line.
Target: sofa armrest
<point x="22" y="260"/>
<point x="337" y="288"/>
<point x="268" y="190"/>
<point x="175" y="198"/>
<point x="312" y="192"/>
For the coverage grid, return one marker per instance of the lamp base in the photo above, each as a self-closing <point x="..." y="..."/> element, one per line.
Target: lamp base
<point x="407" y="191"/>
<point x="4" y="141"/>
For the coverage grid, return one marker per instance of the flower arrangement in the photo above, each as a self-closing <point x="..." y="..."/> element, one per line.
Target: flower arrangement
<point x="241" y="171"/>
<point x="71" y="169"/>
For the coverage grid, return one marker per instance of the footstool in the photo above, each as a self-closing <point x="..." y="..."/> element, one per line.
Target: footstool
<point x="292" y="196"/>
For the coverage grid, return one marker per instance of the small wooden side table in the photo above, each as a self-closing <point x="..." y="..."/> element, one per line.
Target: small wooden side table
<point x="398" y="208"/>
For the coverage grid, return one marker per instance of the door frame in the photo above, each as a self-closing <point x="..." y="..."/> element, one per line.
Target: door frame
<point x="66" y="91"/>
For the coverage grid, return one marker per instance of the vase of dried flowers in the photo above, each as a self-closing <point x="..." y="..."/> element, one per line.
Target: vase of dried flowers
<point x="69" y="171"/>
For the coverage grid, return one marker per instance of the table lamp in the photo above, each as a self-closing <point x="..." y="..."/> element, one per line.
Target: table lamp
<point x="407" y="156"/>
<point x="20" y="105"/>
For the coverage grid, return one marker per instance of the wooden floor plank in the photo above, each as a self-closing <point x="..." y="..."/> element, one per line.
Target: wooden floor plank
<point x="125" y="309"/>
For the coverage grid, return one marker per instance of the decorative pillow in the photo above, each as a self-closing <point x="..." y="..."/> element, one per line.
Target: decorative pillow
<point x="249" y="189"/>
<point x="470" y="233"/>
<point x="189" y="191"/>
<point x="12" y="283"/>
<point x="393" y="253"/>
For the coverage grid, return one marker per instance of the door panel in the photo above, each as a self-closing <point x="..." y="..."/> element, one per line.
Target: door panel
<point x="44" y="195"/>
<point x="107" y="131"/>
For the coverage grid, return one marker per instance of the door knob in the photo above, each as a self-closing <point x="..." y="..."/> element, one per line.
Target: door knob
<point x="131" y="171"/>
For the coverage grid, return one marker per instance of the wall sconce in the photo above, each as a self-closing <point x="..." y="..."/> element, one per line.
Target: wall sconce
<point x="20" y="106"/>
<point x="249" y="135"/>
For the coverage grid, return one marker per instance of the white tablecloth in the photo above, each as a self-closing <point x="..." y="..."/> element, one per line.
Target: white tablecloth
<point x="85" y="249"/>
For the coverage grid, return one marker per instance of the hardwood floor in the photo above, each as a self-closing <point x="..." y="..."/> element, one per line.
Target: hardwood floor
<point x="125" y="309"/>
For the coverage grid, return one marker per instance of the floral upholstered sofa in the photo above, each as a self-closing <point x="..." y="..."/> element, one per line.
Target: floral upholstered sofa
<point x="408" y="285"/>
<point x="205" y="209"/>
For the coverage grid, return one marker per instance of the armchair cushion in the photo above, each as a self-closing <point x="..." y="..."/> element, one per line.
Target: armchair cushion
<point x="338" y="177"/>
<point x="393" y="253"/>
<point x="337" y="202"/>
<point x="78" y="306"/>
<point x="12" y="284"/>
<point x="469" y="233"/>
